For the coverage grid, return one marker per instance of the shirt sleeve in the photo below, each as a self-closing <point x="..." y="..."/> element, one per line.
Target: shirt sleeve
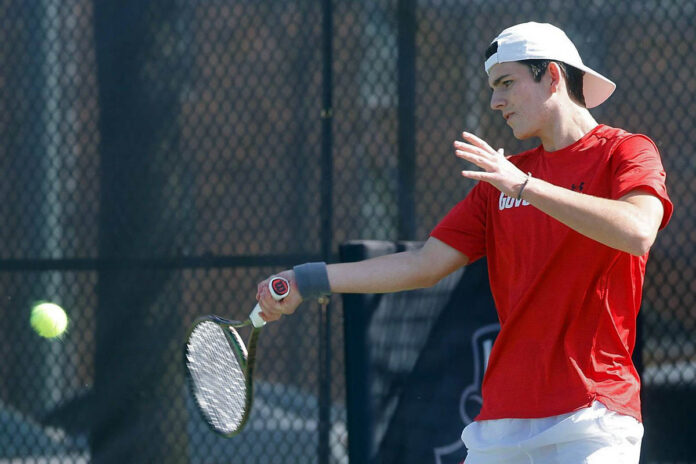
<point x="637" y="166"/>
<point x="464" y="227"/>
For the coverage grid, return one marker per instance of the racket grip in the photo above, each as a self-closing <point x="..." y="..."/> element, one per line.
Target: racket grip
<point x="279" y="288"/>
<point x="255" y="317"/>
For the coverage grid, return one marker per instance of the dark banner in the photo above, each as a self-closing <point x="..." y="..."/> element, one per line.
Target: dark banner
<point x="414" y="364"/>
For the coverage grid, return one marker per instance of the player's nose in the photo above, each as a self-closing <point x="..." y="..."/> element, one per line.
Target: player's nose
<point x="497" y="102"/>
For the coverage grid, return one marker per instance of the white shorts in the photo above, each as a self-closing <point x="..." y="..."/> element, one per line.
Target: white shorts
<point x="591" y="435"/>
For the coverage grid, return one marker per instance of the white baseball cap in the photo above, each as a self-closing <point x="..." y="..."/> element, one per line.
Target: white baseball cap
<point x="541" y="41"/>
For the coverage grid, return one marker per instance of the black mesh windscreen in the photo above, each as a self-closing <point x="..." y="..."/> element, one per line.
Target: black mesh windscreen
<point x="159" y="158"/>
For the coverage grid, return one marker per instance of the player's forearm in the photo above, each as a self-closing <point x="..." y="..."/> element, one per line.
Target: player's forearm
<point x="616" y="223"/>
<point x="397" y="272"/>
<point x="384" y="274"/>
<point x="390" y="273"/>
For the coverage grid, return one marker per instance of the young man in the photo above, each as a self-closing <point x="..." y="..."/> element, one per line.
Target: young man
<point x="566" y="228"/>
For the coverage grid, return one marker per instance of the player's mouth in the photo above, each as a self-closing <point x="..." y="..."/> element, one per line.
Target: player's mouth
<point x="507" y="116"/>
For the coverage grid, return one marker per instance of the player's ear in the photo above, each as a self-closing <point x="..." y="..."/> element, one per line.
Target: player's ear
<point x="553" y="71"/>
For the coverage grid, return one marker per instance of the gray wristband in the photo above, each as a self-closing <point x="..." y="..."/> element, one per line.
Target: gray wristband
<point x="312" y="280"/>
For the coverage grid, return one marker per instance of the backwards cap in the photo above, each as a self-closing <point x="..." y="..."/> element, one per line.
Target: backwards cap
<point x="541" y="41"/>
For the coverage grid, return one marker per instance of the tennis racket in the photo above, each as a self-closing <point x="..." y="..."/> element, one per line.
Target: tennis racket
<point x="220" y="367"/>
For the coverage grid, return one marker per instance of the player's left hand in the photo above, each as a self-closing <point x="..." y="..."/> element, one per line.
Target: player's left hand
<point x="496" y="168"/>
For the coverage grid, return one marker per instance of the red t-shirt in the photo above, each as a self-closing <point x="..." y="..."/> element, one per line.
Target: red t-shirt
<point x="567" y="304"/>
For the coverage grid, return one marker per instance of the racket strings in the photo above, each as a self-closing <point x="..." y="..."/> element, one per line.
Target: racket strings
<point x="218" y="381"/>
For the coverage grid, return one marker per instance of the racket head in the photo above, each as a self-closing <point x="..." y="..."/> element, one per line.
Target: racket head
<point x="218" y="373"/>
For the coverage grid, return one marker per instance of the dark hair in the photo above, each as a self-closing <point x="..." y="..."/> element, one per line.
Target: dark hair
<point x="572" y="75"/>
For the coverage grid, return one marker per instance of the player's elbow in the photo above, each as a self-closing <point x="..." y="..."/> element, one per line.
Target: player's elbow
<point x="435" y="261"/>
<point x="430" y="279"/>
<point x="642" y="247"/>
<point x="424" y="274"/>
<point x="430" y="275"/>
<point x="643" y="223"/>
<point x="641" y="240"/>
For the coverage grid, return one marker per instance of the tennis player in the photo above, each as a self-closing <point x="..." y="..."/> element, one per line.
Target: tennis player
<point x="566" y="228"/>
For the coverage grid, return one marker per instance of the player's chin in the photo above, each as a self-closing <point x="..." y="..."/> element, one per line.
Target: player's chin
<point x="521" y="133"/>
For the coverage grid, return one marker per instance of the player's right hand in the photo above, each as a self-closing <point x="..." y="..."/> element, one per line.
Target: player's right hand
<point x="272" y="310"/>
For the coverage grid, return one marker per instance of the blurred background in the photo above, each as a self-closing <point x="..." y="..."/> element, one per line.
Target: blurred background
<point x="159" y="158"/>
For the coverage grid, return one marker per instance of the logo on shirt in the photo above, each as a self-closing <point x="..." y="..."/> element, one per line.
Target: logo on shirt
<point x="505" y="202"/>
<point x="577" y="188"/>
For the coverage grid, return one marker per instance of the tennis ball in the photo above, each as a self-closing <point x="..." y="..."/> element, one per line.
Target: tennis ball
<point x="48" y="319"/>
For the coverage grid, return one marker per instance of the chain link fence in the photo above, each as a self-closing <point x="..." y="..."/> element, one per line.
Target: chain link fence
<point x="159" y="158"/>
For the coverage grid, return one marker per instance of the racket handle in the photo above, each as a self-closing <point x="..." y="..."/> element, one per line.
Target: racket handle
<point x="255" y="317"/>
<point x="279" y="288"/>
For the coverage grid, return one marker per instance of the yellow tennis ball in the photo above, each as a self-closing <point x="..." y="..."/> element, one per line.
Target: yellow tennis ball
<point x="48" y="319"/>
